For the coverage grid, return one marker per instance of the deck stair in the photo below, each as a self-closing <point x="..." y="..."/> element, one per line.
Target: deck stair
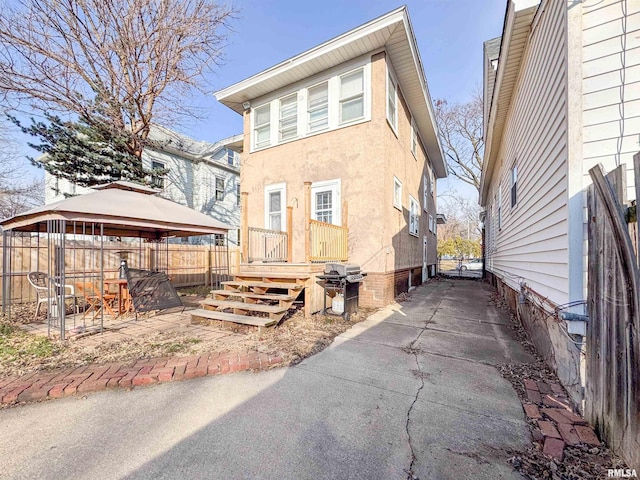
<point x="260" y="299"/>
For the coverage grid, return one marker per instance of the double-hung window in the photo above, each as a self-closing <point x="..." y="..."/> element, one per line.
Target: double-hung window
<point x="392" y="102"/>
<point x="262" y="126"/>
<point x="219" y="189"/>
<point x="425" y="191"/>
<point x="318" y="107"/>
<point x="352" y="96"/>
<point x="414" y="216"/>
<point x="157" y="179"/>
<point x="288" y="127"/>
<point x="397" y="193"/>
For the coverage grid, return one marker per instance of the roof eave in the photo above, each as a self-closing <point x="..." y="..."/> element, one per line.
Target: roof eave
<point x="520" y="15"/>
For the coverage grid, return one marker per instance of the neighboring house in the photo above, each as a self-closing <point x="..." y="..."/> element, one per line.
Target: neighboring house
<point x="561" y="95"/>
<point x="201" y="175"/>
<point x="344" y="134"/>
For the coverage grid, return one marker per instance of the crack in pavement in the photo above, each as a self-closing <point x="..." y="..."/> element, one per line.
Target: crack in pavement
<point x="414" y="351"/>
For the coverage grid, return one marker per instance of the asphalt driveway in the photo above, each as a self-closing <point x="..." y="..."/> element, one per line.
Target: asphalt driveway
<point x="411" y="389"/>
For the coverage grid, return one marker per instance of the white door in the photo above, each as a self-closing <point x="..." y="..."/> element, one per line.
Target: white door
<point x="275" y="200"/>
<point x="424" y="259"/>
<point x="325" y="202"/>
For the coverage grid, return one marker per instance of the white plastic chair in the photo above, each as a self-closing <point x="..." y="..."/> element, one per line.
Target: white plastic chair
<point x="44" y="291"/>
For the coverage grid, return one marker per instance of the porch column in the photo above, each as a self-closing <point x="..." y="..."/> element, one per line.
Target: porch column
<point x="289" y="234"/>
<point x="244" y="200"/>
<point x="307" y="220"/>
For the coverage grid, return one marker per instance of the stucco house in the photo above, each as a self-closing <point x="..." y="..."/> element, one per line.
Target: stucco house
<point x="341" y="155"/>
<point x="201" y="175"/>
<point x="561" y="95"/>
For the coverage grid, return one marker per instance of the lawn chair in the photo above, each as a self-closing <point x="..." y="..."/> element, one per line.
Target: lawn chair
<point x="46" y="290"/>
<point x="95" y="300"/>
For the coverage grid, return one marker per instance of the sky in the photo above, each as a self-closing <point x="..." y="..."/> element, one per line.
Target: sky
<point x="449" y="33"/>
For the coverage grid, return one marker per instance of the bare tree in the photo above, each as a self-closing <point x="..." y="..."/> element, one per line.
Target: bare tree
<point x="460" y="130"/>
<point x="116" y="63"/>
<point x="17" y="192"/>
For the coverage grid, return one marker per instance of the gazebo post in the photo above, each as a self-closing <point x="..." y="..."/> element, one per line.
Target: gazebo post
<point x="6" y="272"/>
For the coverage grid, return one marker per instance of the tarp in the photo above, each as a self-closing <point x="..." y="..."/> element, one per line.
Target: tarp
<point x="125" y="209"/>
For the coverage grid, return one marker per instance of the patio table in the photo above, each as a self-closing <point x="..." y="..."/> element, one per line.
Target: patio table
<point x="124" y="303"/>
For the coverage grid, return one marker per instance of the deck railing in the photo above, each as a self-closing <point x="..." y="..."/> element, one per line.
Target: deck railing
<point x="328" y="242"/>
<point x="267" y="245"/>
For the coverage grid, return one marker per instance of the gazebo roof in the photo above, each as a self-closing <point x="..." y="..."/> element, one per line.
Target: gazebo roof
<point x="125" y="209"/>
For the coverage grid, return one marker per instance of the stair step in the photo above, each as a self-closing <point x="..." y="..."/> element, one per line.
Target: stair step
<point x="232" y="317"/>
<point x="283" y="275"/>
<point x="253" y="307"/>
<point x="244" y="283"/>
<point x="257" y="296"/>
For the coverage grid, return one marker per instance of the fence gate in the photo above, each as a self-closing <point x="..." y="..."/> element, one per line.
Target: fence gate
<point x="612" y="396"/>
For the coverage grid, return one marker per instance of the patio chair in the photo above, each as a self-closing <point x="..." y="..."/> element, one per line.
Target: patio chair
<point x="45" y="290"/>
<point x="95" y="300"/>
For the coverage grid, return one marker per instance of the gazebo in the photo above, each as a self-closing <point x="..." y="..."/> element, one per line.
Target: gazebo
<point x="71" y="234"/>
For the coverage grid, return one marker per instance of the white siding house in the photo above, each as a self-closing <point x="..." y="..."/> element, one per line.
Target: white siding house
<point x="201" y="175"/>
<point x="563" y="95"/>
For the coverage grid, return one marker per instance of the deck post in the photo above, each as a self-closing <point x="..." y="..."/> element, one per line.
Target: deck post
<point x="289" y="234"/>
<point x="307" y="219"/>
<point x="244" y="199"/>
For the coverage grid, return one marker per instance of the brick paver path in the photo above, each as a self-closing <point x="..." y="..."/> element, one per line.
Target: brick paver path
<point x="92" y="378"/>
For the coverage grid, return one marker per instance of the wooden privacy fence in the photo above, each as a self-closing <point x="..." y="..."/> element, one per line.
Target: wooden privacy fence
<point x="328" y="242"/>
<point x="612" y="396"/>
<point x="267" y="245"/>
<point x="186" y="265"/>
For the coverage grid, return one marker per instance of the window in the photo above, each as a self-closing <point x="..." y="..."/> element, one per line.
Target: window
<point x="219" y="189"/>
<point x="414" y="216"/>
<point x="392" y="102"/>
<point x="275" y="199"/>
<point x="318" y="107"/>
<point x="288" y="127"/>
<point x="414" y="139"/>
<point x="514" y="185"/>
<point x="157" y="180"/>
<point x="237" y="194"/>
<point x="397" y="193"/>
<point x="432" y="224"/>
<point x="499" y="208"/>
<point x="432" y="181"/>
<point x="352" y="96"/>
<point x="230" y="157"/>
<point x="325" y="205"/>
<point x="425" y="191"/>
<point x="262" y="126"/>
<point x="219" y="239"/>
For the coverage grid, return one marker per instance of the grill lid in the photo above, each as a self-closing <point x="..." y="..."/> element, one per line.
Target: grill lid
<point x="342" y="269"/>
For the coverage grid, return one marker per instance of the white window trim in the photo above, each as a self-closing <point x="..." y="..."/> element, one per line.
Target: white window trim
<point x="283" y="203"/>
<point x="514" y="186"/>
<point x="416" y="231"/>
<point x="336" y="185"/>
<point x="432" y="180"/>
<point x="425" y="191"/>
<point x="431" y="224"/>
<point x="332" y="77"/>
<point x="306" y="100"/>
<point x="397" y="202"/>
<point x="364" y="101"/>
<point x="254" y="137"/>
<point x="280" y="100"/>
<point x="392" y="77"/>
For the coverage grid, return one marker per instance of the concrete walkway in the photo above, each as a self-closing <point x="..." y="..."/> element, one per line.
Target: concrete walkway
<point x="411" y="389"/>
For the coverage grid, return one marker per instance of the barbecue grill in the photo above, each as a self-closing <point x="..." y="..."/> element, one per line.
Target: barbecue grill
<point x="341" y="280"/>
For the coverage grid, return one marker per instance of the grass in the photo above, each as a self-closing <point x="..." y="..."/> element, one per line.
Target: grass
<point x="18" y="346"/>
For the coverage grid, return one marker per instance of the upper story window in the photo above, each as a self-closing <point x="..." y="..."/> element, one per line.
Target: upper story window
<point x="288" y="126"/>
<point x="338" y="99"/>
<point x="230" y="157"/>
<point x="432" y="181"/>
<point x="318" y="107"/>
<point x="219" y="189"/>
<point x="237" y="194"/>
<point x="262" y="126"/>
<point x="414" y="216"/>
<point x="392" y="102"/>
<point x="352" y="96"/>
<point x="425" y="191"/>
<point x="157" y="180"/>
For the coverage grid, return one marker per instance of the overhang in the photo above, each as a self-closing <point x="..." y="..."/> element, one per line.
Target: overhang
<point x="515" y="36"/>
<point x="392" y="32"/>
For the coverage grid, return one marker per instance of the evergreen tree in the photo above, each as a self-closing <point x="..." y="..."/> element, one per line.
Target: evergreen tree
<point x="85" y="154"/>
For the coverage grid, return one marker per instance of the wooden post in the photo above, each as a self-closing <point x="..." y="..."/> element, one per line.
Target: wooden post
<point x="207" y="266"/>
<point x="244" y="205"/>
<point x="289" y="234"/>
<point x="345" y="214"/>
<point x="307" y="220"/>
